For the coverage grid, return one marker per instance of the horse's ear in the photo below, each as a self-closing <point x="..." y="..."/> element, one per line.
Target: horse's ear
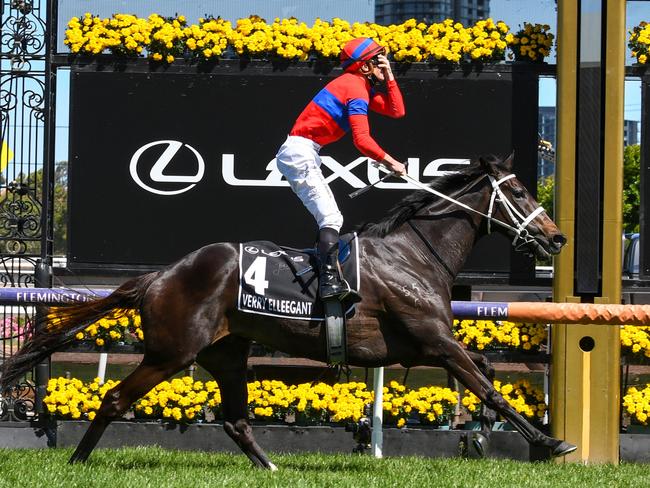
<point x="489" y="164"/>
<point x="508" y="162"/>
<point x="485" y="164"/>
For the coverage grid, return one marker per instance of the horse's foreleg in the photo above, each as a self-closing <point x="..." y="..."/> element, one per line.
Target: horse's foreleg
<point x="118" y="400"/>
<point x="488" y="416"/>
<point x="227" y="362"/>
<point x="456" y="360"/>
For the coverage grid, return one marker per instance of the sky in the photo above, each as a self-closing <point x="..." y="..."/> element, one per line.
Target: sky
<point x="513" y="12"/>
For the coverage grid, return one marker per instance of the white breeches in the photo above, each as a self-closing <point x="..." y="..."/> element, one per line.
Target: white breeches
<point x="299" y="163"/>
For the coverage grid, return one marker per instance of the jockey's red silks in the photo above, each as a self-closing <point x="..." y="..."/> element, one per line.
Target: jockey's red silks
<point x="342" y="106"/>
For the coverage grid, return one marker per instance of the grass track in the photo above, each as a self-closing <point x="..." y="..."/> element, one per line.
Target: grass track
<point x="155" y="467"/>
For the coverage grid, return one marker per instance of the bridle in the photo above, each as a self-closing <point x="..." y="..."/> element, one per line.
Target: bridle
<point x="519" y="222"/>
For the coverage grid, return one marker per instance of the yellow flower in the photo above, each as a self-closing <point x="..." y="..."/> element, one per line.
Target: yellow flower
<point x="411" y="41"/>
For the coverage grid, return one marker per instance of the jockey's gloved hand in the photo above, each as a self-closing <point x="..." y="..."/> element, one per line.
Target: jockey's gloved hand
<point x="394" y="165"/>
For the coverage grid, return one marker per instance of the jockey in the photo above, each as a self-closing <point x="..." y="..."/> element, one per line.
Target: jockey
<point x="341" y="106"/>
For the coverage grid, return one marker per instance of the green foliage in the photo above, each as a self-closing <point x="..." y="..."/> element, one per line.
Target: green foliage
<point x="34" y="182"/>
<point x="631" y="188"/>
<point x="60" y="219"/>
<point x="545" y="194"/>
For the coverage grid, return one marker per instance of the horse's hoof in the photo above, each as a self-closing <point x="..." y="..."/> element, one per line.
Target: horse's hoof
<point x="76" y="460"/>
<point x="562" y="449"/>
<point x="480" y="443"/>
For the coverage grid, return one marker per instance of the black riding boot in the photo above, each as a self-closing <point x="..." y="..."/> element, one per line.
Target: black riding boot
<point x="331" y="283"/>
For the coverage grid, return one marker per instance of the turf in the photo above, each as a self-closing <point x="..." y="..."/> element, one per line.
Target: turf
<point x="155" y="467"/>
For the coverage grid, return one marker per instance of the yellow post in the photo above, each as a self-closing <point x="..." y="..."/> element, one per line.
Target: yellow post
<point x="585" y="358"/>
<point x="567" y="64"/>
<point x="608" y="375"/>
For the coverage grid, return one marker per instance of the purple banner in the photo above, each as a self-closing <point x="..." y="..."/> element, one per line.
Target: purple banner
<point x="48" y="296"/>
<point x="477" y="310"/>
<point x="55" y="296"/>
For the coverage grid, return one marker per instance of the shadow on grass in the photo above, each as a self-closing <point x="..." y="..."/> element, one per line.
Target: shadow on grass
<point x="315" y="464"/>
<point x="128" y="460"/>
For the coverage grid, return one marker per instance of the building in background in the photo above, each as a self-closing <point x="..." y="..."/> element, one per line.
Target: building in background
<point x="631" y="132"/>
<point x="546" y="143"/>
<point x="547" y="139"/>
<point x="466" y="12"/>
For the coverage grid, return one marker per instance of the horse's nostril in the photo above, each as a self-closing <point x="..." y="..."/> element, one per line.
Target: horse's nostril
<point x="559" y="239"/>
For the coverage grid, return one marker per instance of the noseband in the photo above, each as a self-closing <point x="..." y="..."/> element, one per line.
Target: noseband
<point x="517" y="219"/>
<point x="519" y="222"/>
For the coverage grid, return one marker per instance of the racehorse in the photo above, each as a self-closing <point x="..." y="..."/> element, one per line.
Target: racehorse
<point x="408" y="260"/>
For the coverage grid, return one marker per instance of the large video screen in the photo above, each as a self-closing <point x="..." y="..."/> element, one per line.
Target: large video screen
<point x="162" y="163"/>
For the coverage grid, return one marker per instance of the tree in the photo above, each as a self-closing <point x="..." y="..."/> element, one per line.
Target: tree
<point x="34" y="184"/>
<point x="631" y="190"/>
<point x="631" y="187"/>
<point x="546" y="194"/>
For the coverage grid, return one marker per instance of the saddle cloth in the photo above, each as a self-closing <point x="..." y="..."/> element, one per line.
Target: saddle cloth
<point x="283" y="282"/>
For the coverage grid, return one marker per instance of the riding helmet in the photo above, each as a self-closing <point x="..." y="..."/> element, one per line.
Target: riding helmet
<point x="357" y="51"/>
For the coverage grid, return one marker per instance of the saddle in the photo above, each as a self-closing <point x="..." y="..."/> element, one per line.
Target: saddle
<point x="282" y="282"/>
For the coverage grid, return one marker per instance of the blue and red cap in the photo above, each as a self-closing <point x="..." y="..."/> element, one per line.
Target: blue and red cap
<point x="358" y="51"/>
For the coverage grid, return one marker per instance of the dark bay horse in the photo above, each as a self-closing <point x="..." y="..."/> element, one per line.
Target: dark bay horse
<point x="409" y="262"/>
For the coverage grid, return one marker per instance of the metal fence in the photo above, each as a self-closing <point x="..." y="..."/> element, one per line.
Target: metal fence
<point x="24" y="177"/>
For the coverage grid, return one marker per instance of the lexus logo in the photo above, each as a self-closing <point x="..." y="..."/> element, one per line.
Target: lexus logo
<point x="156" y="173"/>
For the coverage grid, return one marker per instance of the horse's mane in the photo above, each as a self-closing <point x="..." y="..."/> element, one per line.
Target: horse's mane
<point x="411" y="204"/>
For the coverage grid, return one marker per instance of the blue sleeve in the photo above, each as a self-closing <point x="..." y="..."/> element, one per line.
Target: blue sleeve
<point x="357" y="106"/>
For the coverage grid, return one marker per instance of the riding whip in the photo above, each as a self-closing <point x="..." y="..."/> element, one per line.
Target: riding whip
<point x="361" y="191"/>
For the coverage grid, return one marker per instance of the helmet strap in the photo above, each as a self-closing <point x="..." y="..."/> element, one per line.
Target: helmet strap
<point x="373" y="79"/>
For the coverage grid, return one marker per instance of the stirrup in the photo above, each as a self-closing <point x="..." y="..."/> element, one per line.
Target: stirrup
<point x="345" y="293"/>
<point x="334" y="292"/>
<point x="350" y="294"/>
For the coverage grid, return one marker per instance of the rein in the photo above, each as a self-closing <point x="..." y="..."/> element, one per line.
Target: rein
<point x="431" y="248"/>
<point x="519" y="221"/>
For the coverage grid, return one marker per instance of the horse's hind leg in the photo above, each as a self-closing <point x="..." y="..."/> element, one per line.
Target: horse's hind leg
<point x="119" y="399"/>
<point x="227" y="360"/>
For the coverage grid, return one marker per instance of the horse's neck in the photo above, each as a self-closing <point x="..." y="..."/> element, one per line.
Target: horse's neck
<point x="449" y="236"/>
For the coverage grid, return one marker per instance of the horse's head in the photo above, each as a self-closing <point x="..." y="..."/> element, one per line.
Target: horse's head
<point x="512" y="204"/>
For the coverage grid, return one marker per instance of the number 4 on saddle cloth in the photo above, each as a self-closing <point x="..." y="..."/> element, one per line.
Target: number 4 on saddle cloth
<point x="282" y="281"/>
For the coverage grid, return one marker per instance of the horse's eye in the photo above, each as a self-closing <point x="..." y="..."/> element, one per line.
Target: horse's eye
<point x="518" y="192"/>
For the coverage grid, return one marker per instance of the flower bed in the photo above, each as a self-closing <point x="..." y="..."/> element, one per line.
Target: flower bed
<point x="639" y="43"/>
<point x="636" y="405"/>
<point x="532" y="43"/>
<point x="524" y="398"/>
<point x="124" y="326"/>
<point x="635" y="341"/>
<point x="119" y="326"/>
<point x="166" y="39"/>
<point x="487" y="334"/>
<point x="183" y="400"/>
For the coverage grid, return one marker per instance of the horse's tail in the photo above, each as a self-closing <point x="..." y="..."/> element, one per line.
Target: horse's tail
<point x="59" y="327"/>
